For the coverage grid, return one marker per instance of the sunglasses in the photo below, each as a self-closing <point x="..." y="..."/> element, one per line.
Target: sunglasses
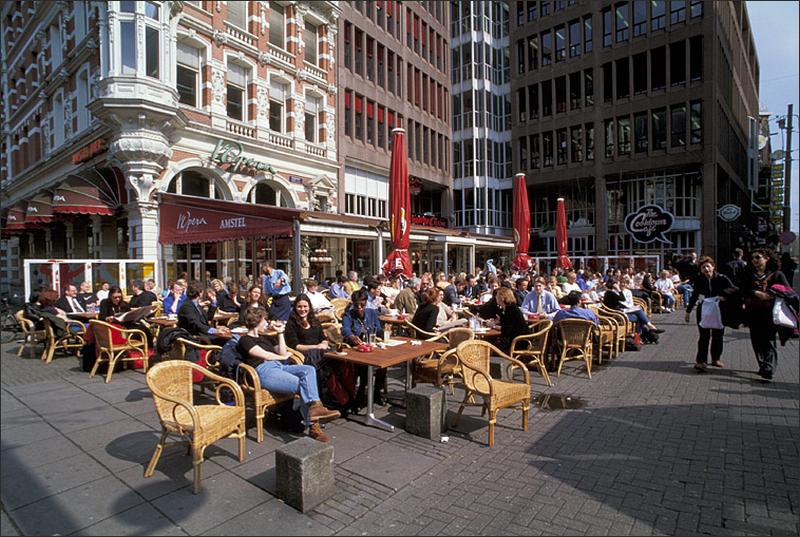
<point x="757" y="256"/>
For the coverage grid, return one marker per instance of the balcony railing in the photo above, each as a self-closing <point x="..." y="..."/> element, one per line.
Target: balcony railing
<point x="281" y="139"/>
<point x="315" y="71"/>
<point x="241" y="129"/>
<point x="316" y="150"/>
<point x="280" y="55"/>
<point x="240" y="34"/>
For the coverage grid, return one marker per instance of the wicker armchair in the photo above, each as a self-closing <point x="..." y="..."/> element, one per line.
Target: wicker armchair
<point x="642" y="303"/>
<point x="31" y="336"/>
<point x="170" y="383"/>
<point x="530" y="349"/>
<point x="419" y="333"/>
<point x="575" y="341"/>
<point x="263" y="399"/>
<point x="607" y="335"/>
<point x="108" y="351"/>
<point x="339" y="306"/>
<point x="73" y="339"/>
<point x="442" y="368"/>
<point x="473" y="357"/>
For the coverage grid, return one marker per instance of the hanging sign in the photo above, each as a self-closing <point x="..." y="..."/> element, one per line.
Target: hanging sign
<point x="729" y="212"/>
<point x="231" y="153"/>
<point x="649" y="223"/>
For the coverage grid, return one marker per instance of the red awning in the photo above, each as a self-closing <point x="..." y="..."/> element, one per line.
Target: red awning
<point x="187" y="219"/>
<point x="81" y="195"/>
<point x="370" y="109"/>
<point x="15" y="219"/>
<point x="40" y="209"/>
<point x="380" y="114"/>
<point x="347" y="99"/>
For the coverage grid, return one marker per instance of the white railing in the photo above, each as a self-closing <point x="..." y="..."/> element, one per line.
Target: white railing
<point x="281" y="139"/>
<point x="315" y="71"/>
<point x="241" y="129"/>
<point x="240" y="34"/>
<point x="316" y="150"/>
<point x="280" y="54"/>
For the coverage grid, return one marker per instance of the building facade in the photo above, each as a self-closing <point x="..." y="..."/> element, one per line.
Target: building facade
<point x="617" y="105"/>
<point x="480" y="77"/>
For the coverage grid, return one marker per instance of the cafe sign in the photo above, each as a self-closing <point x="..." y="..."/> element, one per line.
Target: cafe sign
<point x="428" y="220"/>
<point x="729" y="212"/>
<point x="231" y="153"/>
<point x="650" y="223"/>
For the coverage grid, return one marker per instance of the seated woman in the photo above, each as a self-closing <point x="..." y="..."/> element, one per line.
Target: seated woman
<point x="255" y="299"/>
<point x="614" y="298"/>
<point x="113" y="305"/>
<point x="277" y="375"/>
<point x="357" y="322"/>
<point x="304" y="332"/>
<point x="554" y="287"/>
<point x="224" y="300"/>
<point x="41" y="303"/>
<point x="509" y="319"/>
<point x="425" y="318"/>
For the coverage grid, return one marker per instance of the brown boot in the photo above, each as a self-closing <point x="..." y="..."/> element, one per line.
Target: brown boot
<point x="316" y="432"/>
<point x="317" y="412"/>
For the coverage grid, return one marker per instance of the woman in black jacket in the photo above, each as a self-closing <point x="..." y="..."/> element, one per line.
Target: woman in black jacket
<point x="763" y="272"/>
<point x="707" y="283"/>
<point x="304" y="332"/>
<point x="428" y="311"/>
<point x="512" y="322"/>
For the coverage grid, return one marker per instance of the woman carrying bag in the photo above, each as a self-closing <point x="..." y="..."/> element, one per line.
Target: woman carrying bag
<point x="763" y="272"/>
<point x="709" y="284"/>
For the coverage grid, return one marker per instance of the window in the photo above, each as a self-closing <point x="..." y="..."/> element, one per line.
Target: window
<point x="523" y="152"/>
<point x="658" y="68"/>
<point x="310" y="42"/>
<point x="237" y="87"/>
<point x="533" y="143"/>
<point x="624" y="135"/>
<point x="587" y="34"/>
<point x="522" y="105"/>
<point x="607" y="27"/>
<point x="659" y="120"/>
<point x="639" y="18"/>
<point x="348" y="44"/>
<point x="657" y="16"/>
<point x="560" y="43"/>
<point x="576" y="144"/>
<point x="360" y="118"/>
<point x="608" y="83"/>
<point x="677" y="12"/>
<point x="152" y="56"/>
<point x="533" y="52"/>
<point x="348" y="113"/>
<point x="359" y="52"/>
<point x="127" y="30"/>
<point x="609" y="128"/>
<point x="188" y="74"/>
<point x="277" y="25"/>
<point x="547" y="98"/>
<point x="696" y="122"/>
<point x="588" y="83"/>
<point x="696" y="8"/>
<point x="520" y="57"/>
<point x="277" y="100"/>
<point x="381" y="128"/>
<point x="575" y="38"/>
<point x="677" y="119"/>
<point x="561" y="135"/>
<point x="371" y="122"/>
<point x="545" y="8"/>
<point x="381" y="64"/>
<point x="640" y="73"/>
<point x="575" y="91"/>
<point x="237" y="14"/>
<point x="696" y="57"/>
<point x="533" y="101"/>
<point x="547" y="147"/>
<point x="370" y="59"/>
<point x="532" y="10"/>
<point x="623" y="23"/>
<point x="311" y="121"/>
<point x="640" y="132"/>
<point x="590" y="141"/>
<point x="58" y="120"/>
<point x="547" y="48"/>
<point x="677" y="64"/>
<point x="623" y="79"/>
<point x="561" y="94"/>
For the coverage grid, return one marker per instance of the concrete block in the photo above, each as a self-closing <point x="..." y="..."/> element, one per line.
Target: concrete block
<point x="304" y="473"/>
<point x="498" y="368"/>
<point x="424" y="411"/>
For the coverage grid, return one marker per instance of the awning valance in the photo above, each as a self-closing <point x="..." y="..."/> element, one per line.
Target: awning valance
<point x="40" y="209"/>
<point x="93" y="191"/>
<point x="15" y="218"/>
<point x="187" y="219"/>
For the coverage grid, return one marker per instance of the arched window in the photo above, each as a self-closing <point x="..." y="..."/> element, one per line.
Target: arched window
<point x="195" y="183"/>
<point x="265" y="195"/>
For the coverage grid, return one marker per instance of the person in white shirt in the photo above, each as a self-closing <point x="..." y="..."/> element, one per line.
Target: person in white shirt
<point x="322" y="307"/>
<point x="665" y="285"/>
<point x="102" y="294"/>
<point x="571" y="284"/>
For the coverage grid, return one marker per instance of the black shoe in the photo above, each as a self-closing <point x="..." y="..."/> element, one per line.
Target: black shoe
<point x="658" y="330"/>
<point x="766" y="375"/>
<point x="700" y="367"/>
<point x="378" y="400"/>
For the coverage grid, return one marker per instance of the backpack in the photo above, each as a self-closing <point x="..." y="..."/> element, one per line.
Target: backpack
<point x="648" y="336"/>
<point x="230" y="359"/>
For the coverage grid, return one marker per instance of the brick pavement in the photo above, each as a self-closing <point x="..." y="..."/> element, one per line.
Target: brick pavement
<point x="657" y="449"/>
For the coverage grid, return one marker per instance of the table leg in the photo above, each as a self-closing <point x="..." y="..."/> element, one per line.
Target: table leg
<point x="408" y="374"/>
<point x="371" y="419"/>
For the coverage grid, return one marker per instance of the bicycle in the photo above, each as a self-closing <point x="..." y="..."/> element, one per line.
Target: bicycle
<point x="9" y="326"/>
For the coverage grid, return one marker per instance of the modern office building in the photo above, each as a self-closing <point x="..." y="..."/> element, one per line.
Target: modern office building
<point x="617" y="105"/>
<point x="480" y="77"/>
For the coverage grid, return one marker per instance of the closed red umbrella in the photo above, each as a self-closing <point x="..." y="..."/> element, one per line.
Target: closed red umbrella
<point x="522" y="225"/>
<point x="561" y="235"/>
<point x="398" y="261"/>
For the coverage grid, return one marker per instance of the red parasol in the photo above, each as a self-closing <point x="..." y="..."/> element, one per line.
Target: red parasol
<point x="561" y="235"/>
<point x="522" y="225"/>
<point x="398" y="261"/>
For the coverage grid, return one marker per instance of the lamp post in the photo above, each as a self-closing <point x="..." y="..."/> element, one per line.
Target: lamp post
<point x="787" y="180"/>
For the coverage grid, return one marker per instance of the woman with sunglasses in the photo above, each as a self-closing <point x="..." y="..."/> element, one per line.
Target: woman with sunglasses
<point x="709" y="283"/>
<point x="763" y="272"/>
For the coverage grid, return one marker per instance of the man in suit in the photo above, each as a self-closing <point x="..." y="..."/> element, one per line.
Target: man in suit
<point x="141" y="297"/>
<point x="540" y="300"/>
<point x="71" y="302"/>
<point x="193" y="319"/>
<point x="452" y="291"/>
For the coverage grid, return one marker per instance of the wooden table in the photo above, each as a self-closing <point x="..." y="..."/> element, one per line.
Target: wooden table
<point x="85" y="315"/>
<point x="490" y="333"/>
<point x="383" y="358"/>
<point x="164" y="322"/>
<point x="391" y="319"/>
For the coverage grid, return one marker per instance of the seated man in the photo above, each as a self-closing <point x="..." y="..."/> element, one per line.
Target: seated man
<point x="141" y="297"/>
<point x="540" y="300"/>
<point x="575" y="311"/>
<point x="358" y="321"/>
<point x="406" y="301"/>
<point x="374" y="299"/>
<point x="320" y="305"/>
<point x="193" y="319"/>
<point x="174" y="300"/>
<point x="71" y="302"/>
<point x="89" y="299"/>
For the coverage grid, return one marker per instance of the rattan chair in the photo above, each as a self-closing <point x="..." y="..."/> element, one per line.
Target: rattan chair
<point x="171" y="385"/>
<point x="530" y="349"/>
<point x="72" y="340"/>
<point x="442" y="367"/>
<point x="135" y="341"/>
<point x="575" y="342"/>
<point x="31" y="336"/>
<point x="339" y="307"/>
<point x="642" y="303"/>
<point x="607" y="337"/>
<point x="473" y="357"/>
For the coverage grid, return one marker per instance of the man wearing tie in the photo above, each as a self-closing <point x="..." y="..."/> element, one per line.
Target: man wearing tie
<point x="276" y="285"/>
<point x="540" y="300"/>
<point x="71" y="302"/>
<point x="193" y="319"/>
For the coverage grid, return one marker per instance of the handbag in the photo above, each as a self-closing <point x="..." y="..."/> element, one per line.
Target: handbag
<point x="710" y="316"/>
<point x="782" y="314"/>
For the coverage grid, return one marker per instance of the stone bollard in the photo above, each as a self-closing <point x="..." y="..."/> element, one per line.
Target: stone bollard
<point x="304" y="473"/>
<point x="425" y="411"/>
<point x="498" y="368"/>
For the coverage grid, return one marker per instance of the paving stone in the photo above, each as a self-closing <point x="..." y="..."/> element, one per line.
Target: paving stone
<point x="174" y="471"/>
<point x="389" y="465"/>
<point x="6" y="526"/>
<point x="140" y="520"/>
<point x="32" y="433"/>
<point x="271" y="518"/>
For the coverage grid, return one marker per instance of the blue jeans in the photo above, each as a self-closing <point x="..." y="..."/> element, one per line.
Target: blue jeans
<point x="279" y="377"/>
<point x="640" y="318"/>
<point x="686" y="289"/>
<point x="669" y="300"/>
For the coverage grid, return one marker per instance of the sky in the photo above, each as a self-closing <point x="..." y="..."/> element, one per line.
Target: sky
<point x="775" y="30"/>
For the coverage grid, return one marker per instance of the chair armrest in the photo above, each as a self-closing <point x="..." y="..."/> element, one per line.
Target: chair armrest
<point x="250" y="378"/>
<point x="516" y="363"/>
<point x="297" y="357"/>
<point x="444" y="358"/>
<point x="186" y="406"/>
<point x="196" y="345"/>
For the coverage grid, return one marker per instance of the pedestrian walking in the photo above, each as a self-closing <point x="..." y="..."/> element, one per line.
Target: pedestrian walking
<point x="708" y="283"/>
<point x="276" y="285"/>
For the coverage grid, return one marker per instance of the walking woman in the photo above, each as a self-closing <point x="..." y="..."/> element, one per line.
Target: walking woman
<point x="763" y="272"/>
<point x="708" y="283"/>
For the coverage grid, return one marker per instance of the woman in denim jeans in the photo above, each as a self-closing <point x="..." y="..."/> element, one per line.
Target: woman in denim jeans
<point x="276" y="375"/>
